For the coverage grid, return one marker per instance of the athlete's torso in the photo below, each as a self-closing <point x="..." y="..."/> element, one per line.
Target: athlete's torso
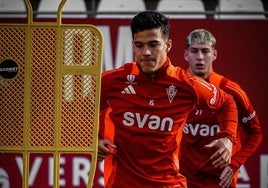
<point x="202" y="127"/>
<point x="149" y="117"/>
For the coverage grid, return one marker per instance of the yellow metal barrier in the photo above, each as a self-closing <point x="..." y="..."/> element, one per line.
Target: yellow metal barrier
<point x="50" y="90"/>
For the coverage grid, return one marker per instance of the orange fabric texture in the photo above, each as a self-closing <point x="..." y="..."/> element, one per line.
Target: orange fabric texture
<point x="148" y="116"/>
<point x="203" y="126"/>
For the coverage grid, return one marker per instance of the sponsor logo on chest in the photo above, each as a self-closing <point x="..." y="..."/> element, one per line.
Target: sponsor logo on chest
<point x="153" y="122"/>
<point x="201" y="129"/>
<point x="130" y="89"/>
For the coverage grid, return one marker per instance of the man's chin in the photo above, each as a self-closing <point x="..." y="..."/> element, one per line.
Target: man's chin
<point x="200" y="74"/>
<point x="148" y="70"/>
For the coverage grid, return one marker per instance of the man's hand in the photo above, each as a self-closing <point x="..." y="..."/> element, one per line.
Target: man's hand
<point x="222" y="157"/>
<point x="226" y="177"/>
<point x="105" y="147"/>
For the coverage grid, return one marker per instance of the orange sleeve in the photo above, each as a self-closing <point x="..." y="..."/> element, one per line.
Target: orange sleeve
<point x="222" y="104"/>
<point x="249" y="125"/>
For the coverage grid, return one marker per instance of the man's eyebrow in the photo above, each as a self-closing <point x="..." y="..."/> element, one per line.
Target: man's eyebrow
<point x="154" y="41"/>
<point x="203" y="48"/>
<point x="151" y="41"/>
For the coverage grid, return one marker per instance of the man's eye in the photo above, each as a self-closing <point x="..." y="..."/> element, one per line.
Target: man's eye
<point x="153" y="44"/>
<point x="138" y="45"/>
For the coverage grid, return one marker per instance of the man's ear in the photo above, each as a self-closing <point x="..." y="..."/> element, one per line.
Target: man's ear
<point x="186" y="55"/>
<point x="169" y="45"/>
<point x="215" y="54"/>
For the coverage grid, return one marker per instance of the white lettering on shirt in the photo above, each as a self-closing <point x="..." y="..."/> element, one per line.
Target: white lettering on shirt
<point x="201" y="129"/>
<point x="251" y="116"/>
<point x="153" y="122"/>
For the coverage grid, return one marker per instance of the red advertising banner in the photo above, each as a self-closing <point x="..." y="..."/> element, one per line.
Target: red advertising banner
<point x="242" y="56"/>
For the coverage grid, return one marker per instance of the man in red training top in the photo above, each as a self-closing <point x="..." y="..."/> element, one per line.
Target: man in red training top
<point x="145" y="104"/>
<point x="202" y="126"/>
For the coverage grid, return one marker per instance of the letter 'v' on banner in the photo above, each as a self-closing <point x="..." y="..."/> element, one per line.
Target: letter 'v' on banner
<point x="50" y="90"/>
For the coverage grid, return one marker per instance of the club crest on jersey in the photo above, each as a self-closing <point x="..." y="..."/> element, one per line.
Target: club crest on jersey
<point x="171" y="92"/>
<point x="131" y="79"/>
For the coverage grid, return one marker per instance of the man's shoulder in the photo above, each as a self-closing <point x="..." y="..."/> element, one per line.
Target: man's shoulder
<point x="229" y="86"/>
<point x="223" y="81"/>
<point x="120" y="71"/>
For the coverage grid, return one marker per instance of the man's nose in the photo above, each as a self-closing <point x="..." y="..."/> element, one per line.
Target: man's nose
<point x="146" y="51"/>
<point x="200" y="55"/>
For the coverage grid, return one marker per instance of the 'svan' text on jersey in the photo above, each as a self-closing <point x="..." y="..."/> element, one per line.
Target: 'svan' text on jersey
<point x="153" y="122"/>
<point x="201" y="129"/>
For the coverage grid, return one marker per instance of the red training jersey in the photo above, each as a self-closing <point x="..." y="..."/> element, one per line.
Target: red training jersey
<point x="144" y="117"/>
<point x="202" y="127"/>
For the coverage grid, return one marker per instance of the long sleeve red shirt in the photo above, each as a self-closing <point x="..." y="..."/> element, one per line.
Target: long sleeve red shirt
<point x="194" y="159"/>
<point x="145" y="117"/>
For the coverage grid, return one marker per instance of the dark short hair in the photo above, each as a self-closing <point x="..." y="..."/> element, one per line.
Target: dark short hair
<point x="150" y="20"/>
